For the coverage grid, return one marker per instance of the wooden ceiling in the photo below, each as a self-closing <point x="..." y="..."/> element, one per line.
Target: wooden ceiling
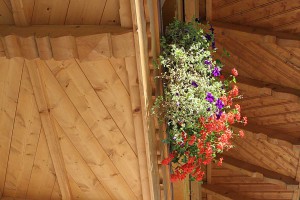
<point x="75" y="100"/>
<point x="34" y="12"/>
<point x="263" y="39"/>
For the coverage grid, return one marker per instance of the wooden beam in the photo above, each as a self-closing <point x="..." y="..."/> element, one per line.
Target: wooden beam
<point x="277" y="91"/>
<point x="191" y="9"/>
<point x="272" y="136"/>
<point x="36" y="76"/>
<point x="222" y="193"/>
<point x="269" y="176"/>
<point x="209" y="14"/>
<point x="61" y="30"/>
<point x="84" y="43"/>
<point x="259" y="35"/>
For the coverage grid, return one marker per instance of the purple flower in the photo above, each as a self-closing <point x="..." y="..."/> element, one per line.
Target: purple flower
<point x="212" y="29"/>
<point x="208" y="109"/>
<point x="209" y="97"/>
<point x="219" y="104"/>
<point x="208" y="37"/>
<point x="213" y="44"/>
<point x="194" y="84"/>
<point x="207" y="62"/>
<point x="219" y="114"/>
<point x="177" y="104"/>
<point x="216" y="71"/>
<point x="177" y="94"/>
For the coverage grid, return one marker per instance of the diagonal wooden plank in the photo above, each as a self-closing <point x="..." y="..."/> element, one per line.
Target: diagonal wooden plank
<point x="84" y="178"/>
<point x="36" y="76"/>
<point x="113" y="94"/>
<point x="73" y="125"/>
<point x="113" y="141"/>
<point x="42" y="172"/>
<point x="24" y="141"/>
<point x="10" y="80"/>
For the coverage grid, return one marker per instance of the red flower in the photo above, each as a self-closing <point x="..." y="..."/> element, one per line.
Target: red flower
<point x="241" y="133"/>
<point x="192" y="140"/>
<point x="234" y="72"/>
<point x="166" y="161"/>
<point x="220" y="162"/>
<point x="230" y="118"/>
<point x="238" y="107"/>
<point x="235" y="91"/>
<point x="245" y="121"/>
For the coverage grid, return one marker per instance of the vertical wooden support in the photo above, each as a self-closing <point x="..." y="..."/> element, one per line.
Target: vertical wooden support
<point x="209" y="16"/>
<point x="208" y="178"/>
<point x="191" y="9"/>
<point x="179" y="10"/>
<point x="36" y="69"/>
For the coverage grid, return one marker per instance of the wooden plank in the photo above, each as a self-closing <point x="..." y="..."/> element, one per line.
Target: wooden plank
<point x="24" y="141"/>
<point x="240" y="7"/>
<point x="119" y="66"/>
<point x="110" y="14"/>
<point x="259" y="35"/>
<point x="270" y="195"/>
<point x="278" y="7"/>
<point x="196" y="190"/>
<point x="42" y="172"/>
<point x="191" y="10"/>
<point x="222" y="193"/>
<point x="274" y="176"/>
<point x="85" y="12"/>
<point x="22" y="11"/>
<point x="6" y="15"/>
<point x="125" y="14"/>
<point x="10" y="81"/>
<point x="61" y="30"/>
<point x="36" y="76"/>
<point x="120" y="148"/>
<point x="289" y="28"/>
<point x="56" y="194"/>
<point x="279" y="20"/>
<point x="49" y="12"/>
<point x="90" y="187"/>
<point x="277" y="76"/>
<point x="73" y="125"/>
<point x="264" y="156"/>
<point x="138" y="124"/>
<point x="209" y="10"/>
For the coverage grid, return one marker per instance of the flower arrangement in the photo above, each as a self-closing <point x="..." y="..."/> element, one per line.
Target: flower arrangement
<point x="198" y="101"/>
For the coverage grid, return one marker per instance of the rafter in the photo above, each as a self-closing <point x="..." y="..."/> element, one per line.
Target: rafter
<point x="257" y="171"/>
<point x="276" y="91"/>
<point x="22" y="11"/>
<point x="222" y="193"/>
<point x="246" y="33"/>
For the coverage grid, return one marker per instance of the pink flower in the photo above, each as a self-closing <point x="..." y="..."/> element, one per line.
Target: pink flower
<point x="234" y="72"/>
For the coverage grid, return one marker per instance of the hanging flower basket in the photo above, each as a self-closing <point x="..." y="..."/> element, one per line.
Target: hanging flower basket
<point x="198" y="100"/>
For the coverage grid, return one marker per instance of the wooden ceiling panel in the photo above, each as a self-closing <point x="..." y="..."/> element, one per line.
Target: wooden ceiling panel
<point x="111" y="13"/>
<point x="88" y="184"/>
<point x="10" y="80"/>
<point x="6" y="16"/>
<point x="85" y="12"/>
<point x="100" y="161"/>
<point x="24" y="142"/>
<point x="50" y="12"/>
<point x="99" y="119"/>
<point x="113" y="95"/>
<point x="43" y="178"/>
